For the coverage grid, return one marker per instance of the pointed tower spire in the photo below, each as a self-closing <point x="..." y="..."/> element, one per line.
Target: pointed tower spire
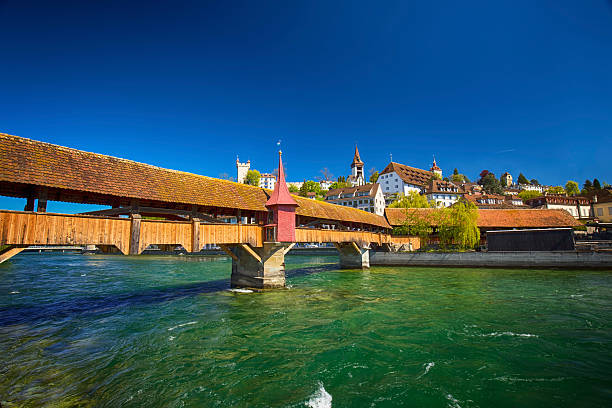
<point x="357" y="158"/>
<point x="281" y="193"/>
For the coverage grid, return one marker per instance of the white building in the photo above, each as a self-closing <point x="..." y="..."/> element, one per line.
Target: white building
<point x="399" y="178"/>
<point x="267" y="180"/>
<point x="326" y="184"/>
<point x="368" y="197"/>
<point x="443" y="193"/>
<point x="531" y="187"/>
<point x="242" y="170"/>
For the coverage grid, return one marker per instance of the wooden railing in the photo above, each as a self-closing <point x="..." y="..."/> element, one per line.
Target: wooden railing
<point x="326" y="235"/>
<point x="23" y="228"/>
<point x="31" y="228"/>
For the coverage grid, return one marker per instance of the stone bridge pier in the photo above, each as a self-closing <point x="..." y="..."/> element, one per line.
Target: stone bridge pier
<point x="259" y="268"/>
<point x="353" y="256"/>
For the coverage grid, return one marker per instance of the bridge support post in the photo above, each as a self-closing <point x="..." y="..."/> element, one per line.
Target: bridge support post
<point x="352" y="256"/>
<point x="259" y="268"/>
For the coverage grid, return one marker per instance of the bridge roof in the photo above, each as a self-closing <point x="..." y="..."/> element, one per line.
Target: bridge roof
<point x="29" y="162"/>
<point x="494" y="218"/>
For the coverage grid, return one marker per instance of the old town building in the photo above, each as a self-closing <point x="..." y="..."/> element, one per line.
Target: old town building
<point x="443" y="193"/>
<point x="399" y="178"/>
<point x="368" y="197"/>
<point x="578" y="207"/>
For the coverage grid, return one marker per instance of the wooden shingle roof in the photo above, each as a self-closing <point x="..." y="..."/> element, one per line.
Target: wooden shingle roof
<point x="30" y="162"/>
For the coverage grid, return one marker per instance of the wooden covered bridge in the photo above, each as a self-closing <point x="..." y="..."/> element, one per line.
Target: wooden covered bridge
<point x="152" y="205"/>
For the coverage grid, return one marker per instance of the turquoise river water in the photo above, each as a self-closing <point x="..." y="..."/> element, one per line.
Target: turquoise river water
<point x="152" y="331"/>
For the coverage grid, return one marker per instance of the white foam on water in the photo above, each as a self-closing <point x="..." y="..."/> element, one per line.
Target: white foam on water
<point x="453" y="402"/>
<point x="320" y="399"/>
<point x="181" y="325"/>
<point x="83" y="274"/>
<point x="511" y="334"/>
<point x="241" y="290"/>
<point x="171" y="338"/>
<point x="427" y="368"/>
<point x="14" y="292"/>
<point x="509" y="379"/>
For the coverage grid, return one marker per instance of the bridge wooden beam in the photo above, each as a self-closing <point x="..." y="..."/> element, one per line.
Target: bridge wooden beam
<point x="195" y="235"/>
<point x="135" y="234"/>
<point x="42" y="199"/>
<point x="9" y="251"/>
<point x="228" y="251"/>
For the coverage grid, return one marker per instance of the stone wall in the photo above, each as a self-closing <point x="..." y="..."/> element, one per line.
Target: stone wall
<point x="552" y="259"/>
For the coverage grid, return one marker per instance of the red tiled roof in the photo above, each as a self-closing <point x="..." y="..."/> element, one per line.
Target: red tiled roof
<point x="439" y="186"/>
<point x="29" y="162"/>
<point x="495" y="218"/>
<point x="410" y="175"/>
<point x="555" y="199"/>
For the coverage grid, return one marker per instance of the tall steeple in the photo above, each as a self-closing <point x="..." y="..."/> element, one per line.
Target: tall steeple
<point x="356" y="159"/>
<point x="282" y="206"/>
<point x="357" y="177"/>
<point x="435" y="169"/>
<point x="281" y="194"/>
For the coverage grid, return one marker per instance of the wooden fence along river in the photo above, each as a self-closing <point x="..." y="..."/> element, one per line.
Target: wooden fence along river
<point x="133" y="235"/>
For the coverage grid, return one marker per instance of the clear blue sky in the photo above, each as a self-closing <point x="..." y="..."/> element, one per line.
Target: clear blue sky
<point x="499" y="85"/>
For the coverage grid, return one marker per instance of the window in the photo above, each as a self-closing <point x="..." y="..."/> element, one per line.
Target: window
<point x="609" y="210"/>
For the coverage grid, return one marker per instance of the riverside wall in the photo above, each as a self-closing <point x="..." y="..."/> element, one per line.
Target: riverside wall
<point x="547" y="259"/>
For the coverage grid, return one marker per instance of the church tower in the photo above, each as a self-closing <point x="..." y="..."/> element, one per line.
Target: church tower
<point x="357" y="178"/>
<point x="435" y="169"/>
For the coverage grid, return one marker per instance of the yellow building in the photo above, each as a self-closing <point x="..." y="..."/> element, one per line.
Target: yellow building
<point x="602" y="209"/>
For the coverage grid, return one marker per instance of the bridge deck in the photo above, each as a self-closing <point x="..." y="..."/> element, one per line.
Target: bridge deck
<point x="23" y="228"/>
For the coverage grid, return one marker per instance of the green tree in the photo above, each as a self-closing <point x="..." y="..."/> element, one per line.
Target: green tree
<point x="310" y="187"/>
<point x="527" y="194"/>
<point x="596" y="184"/>
<point x="522" y="179"/>
<point x="374" y="177"/>
<point x="502" y="182"/>
<point x="252" y="178"/>
<point x="571" y="188"/>
<point x="587" y="187"/>
<point x="458" y="225"/>
<point x="293" y="189"/>
<point x="556" y="190"/>
<point x="459" y="178"/>
<point x="412" y="200"/>
<point x="455" y="172"/>
<point x="534" y="182"/>
<point x="491" y="185"/>
<point x="338" y="184"/>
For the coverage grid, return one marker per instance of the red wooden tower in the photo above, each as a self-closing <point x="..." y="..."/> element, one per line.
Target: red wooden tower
<point x="282" y="206"/>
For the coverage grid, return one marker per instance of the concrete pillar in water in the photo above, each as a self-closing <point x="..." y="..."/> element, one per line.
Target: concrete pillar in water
<point x="260" y="268"/>
<point x="352" y="256"/>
